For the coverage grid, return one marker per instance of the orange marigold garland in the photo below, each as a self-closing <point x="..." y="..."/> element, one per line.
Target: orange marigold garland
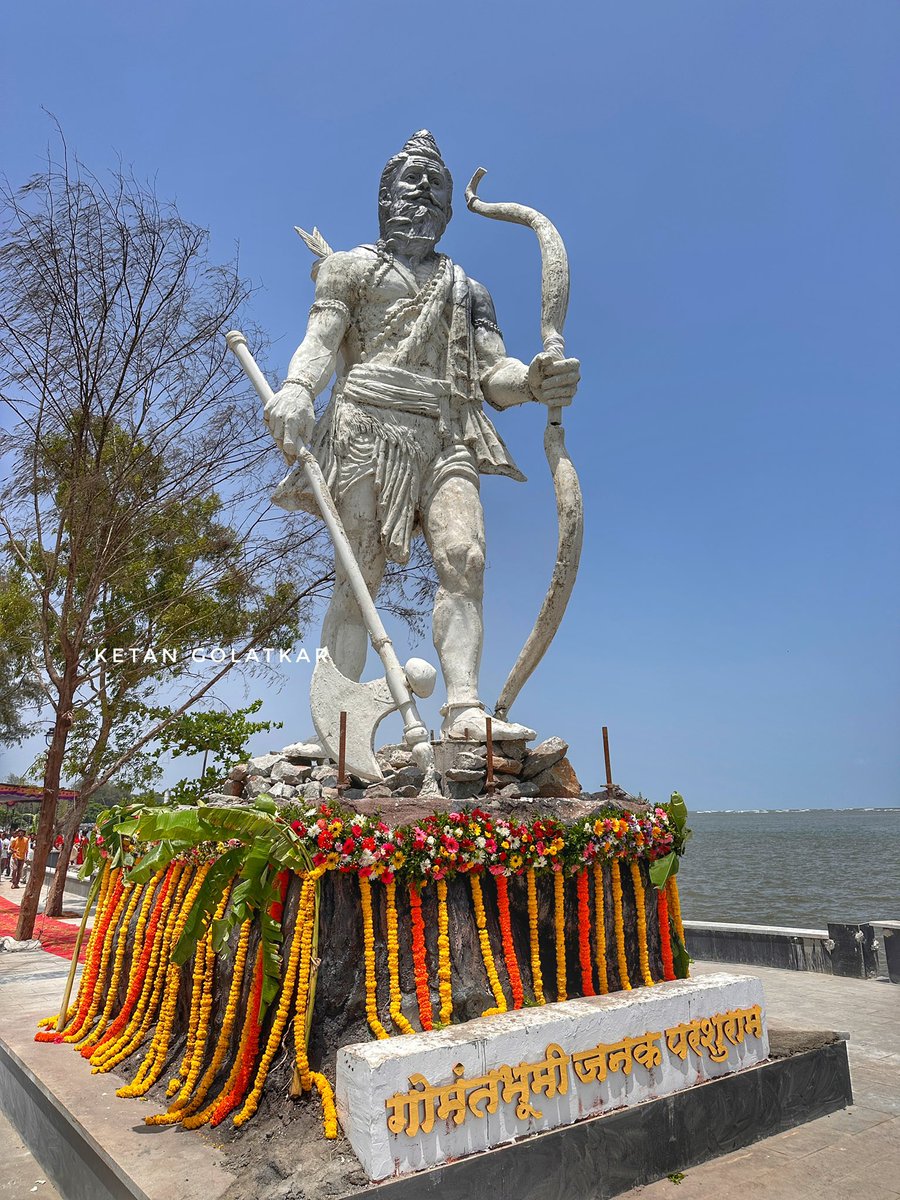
<point x="509" y="949"/>
<point x="615" y="873"/>
<point x="138" y="972"/>
<point x="640" y="904"/>
<point x="393" y="953"/>
<point x="112" y="992"/>
<point x="96" y="965"/>
<point x="420" y="963"/>
<point x="365" y="891"/>
<point x="582" y="884"/>
<point x="187" y="1110"/>
<point x="559" y="921"/>
<point x="537" y="980"/>
<point x="239" y="1080"/>
<point x="445" y="984"/>
<point x="486" y="953"/>
<point x="665" y="939"/>
<point x="600" y="929"/>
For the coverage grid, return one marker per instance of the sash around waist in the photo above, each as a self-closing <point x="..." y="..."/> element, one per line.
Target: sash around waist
<point x="384" y="386"/>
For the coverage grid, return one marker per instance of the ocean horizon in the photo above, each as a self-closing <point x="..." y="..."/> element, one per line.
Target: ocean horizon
<point x="800" y="867"/>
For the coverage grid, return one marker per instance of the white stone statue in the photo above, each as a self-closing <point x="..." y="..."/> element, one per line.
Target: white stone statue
<point x="415" y="349"/>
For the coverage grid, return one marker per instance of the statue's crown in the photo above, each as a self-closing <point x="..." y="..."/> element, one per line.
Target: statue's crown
<point x="422" y="145"/>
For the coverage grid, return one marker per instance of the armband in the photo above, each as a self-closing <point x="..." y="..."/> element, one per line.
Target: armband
<point x="484" y="323"/>
<point x="337" y="306"/>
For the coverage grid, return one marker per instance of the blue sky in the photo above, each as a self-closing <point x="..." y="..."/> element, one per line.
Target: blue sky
<point x="725" y="175"/>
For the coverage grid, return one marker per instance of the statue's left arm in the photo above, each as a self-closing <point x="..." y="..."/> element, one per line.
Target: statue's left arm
<point x="507" y="381"/>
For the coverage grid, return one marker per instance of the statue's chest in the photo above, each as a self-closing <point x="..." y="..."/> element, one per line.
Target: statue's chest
<point x="384" y="317"/>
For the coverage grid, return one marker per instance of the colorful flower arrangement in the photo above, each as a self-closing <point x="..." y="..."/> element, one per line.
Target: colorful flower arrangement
<point x="183" y="903"/>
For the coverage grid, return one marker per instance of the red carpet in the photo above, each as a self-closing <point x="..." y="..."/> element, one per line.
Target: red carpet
<point x="56" y="937"/>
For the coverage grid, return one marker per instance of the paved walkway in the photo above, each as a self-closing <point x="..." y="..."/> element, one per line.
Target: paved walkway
<point x="850" y="1155"/>
<point x="21" y="1178"/>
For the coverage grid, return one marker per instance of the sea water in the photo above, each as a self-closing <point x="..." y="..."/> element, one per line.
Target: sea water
<point x="799" y="867"/>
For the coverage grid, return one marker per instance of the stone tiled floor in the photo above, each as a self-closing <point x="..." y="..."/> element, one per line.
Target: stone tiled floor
<point x="20" y="1176"/>
<point x="850" y="1155"/>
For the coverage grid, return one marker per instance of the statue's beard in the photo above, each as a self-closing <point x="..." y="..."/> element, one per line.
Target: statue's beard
<point x="415" y="222"/>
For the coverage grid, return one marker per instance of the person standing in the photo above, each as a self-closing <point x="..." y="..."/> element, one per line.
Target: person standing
<point x="19" y="851"/>
<point x="4" y="854"/>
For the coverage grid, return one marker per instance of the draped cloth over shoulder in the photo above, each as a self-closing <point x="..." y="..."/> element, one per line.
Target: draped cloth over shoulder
<point x="391" y="420"/>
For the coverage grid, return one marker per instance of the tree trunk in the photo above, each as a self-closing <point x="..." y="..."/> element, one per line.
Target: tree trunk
<point x="54" y="905"/>
<point x="47" y="819"/>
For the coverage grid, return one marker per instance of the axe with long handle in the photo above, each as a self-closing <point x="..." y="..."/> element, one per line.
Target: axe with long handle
<point x="415" y="732"/>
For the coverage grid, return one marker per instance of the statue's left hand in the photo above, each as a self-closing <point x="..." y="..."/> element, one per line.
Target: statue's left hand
<point x="553" y="381"/>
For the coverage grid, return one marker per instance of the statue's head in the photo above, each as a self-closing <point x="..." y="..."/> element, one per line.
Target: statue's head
<point x="415" y="191"/>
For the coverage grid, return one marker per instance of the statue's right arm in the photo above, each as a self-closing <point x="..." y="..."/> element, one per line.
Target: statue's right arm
<point x="289" y="415"/>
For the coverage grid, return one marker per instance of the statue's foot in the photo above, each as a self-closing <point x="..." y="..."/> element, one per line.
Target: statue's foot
<point x="468" y="722"/>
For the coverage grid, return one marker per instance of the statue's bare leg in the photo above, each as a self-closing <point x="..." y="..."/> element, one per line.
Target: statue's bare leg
<point x="453" y="523"/>
<point x="343" y="631"/>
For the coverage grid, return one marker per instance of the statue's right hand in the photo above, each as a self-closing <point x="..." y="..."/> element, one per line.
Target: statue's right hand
<point x="290" y="418"/>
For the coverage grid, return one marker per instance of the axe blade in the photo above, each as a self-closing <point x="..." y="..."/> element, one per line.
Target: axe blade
<point x="366" y="705"/>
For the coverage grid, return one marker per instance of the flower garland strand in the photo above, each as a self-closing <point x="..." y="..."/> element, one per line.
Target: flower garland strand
<point x="365" y="891"/>
<point x="600" y="929"/>
<point x="192" y="1070"/>
<point x="303" y="1077"/>
<point x="559" y="921"/>
<point x="286" y="999"/>
<point x="675" y="906"/>
<point x="420" y="962"/>
<point x="238" y="1081"/>
<point x="624" y="981"/>
<point x="445" y="971"/>
<point x="393" y="952"/>
<point x="509" y="948"/>
<point x="582" y="884"/>
<point x="137" y="974"/>
<point x="97" y="965"/>
<point x="186" y="1110"/>
<point x="537" y="980"/>
<point x="640" y="902"/>
<point x="486" y="953"/>
<point x="665" y="938"/>
<point x="112" y="992"/>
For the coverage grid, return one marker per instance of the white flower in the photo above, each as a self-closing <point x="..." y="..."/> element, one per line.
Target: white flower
<point x="479" y="842"/>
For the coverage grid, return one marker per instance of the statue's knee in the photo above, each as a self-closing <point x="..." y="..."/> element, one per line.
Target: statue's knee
<point x="460" y="568"/>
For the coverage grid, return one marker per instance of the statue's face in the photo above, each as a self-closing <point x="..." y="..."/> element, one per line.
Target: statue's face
<point x="420" y="198"/>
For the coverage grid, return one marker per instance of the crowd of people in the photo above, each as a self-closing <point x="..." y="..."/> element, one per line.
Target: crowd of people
<point x="16" y="847"/>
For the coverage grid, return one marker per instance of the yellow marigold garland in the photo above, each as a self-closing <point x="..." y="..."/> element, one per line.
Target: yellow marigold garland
<point x="187" y="1112"/>
<point x="288" y="990"/>
<point x="486" y="953"/>
<point x="103" y="965"/>
<point x="152" y="1066"/>
<point x="600" y="929"/>
<point x="559" y="920"/>
<point x="624" y="982"/>
<point x="133" y="1035"/>
<point x="326" y="1093"/>
<point x="675" y="905"/>
<point x="112" y="992"/>
<point x="301" y="1014"/>
<point x="641" y="906"/>
<point x="537" y="979"/>
<point x="365" y="891"/>
<point x="393" y="951"/>
<point x="445" y="983"/>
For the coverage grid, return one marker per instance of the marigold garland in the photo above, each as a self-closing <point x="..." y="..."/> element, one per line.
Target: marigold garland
<point x="640" y="903"/>
<point x="282" y="1012"/>
<point x="445" y="973"/>
<point x="675" y="906"/>
<point x="419" y="953"/>
<point x="190" y="1117"/>
<point x="301" y="1023"/>
<point x="582" y="884"/>
<point x="326" y="1092"/>
<point x="112" y="992"/>
<point x="509" y="948"/>
<point x="393" y="955"/>
<point x="665" y="938"/>
<point x="97" y="964"/>
<point x="559" y="923"/>
<point x="537" y="980"/>
<point x="615" y="874"/>
<point x="365" y="891"/>
<point x="485" y="943"/>
<point x="238" y="1081"/>
<point x="138" y="973"/>
<point x="600" y="929"/>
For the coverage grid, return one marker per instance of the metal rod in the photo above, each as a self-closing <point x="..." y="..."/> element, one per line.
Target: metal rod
<point x="489" y="786"/>
<point x="342" y="753"/>
<point x="609" y="781"/>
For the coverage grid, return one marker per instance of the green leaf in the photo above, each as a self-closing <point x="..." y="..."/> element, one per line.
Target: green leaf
<point x="662" y="868"/>
<point x="156" y="857"/>
<point x="678" y="812"/>
<point x="217" y="879"/>
<point x="681" y="960"/>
